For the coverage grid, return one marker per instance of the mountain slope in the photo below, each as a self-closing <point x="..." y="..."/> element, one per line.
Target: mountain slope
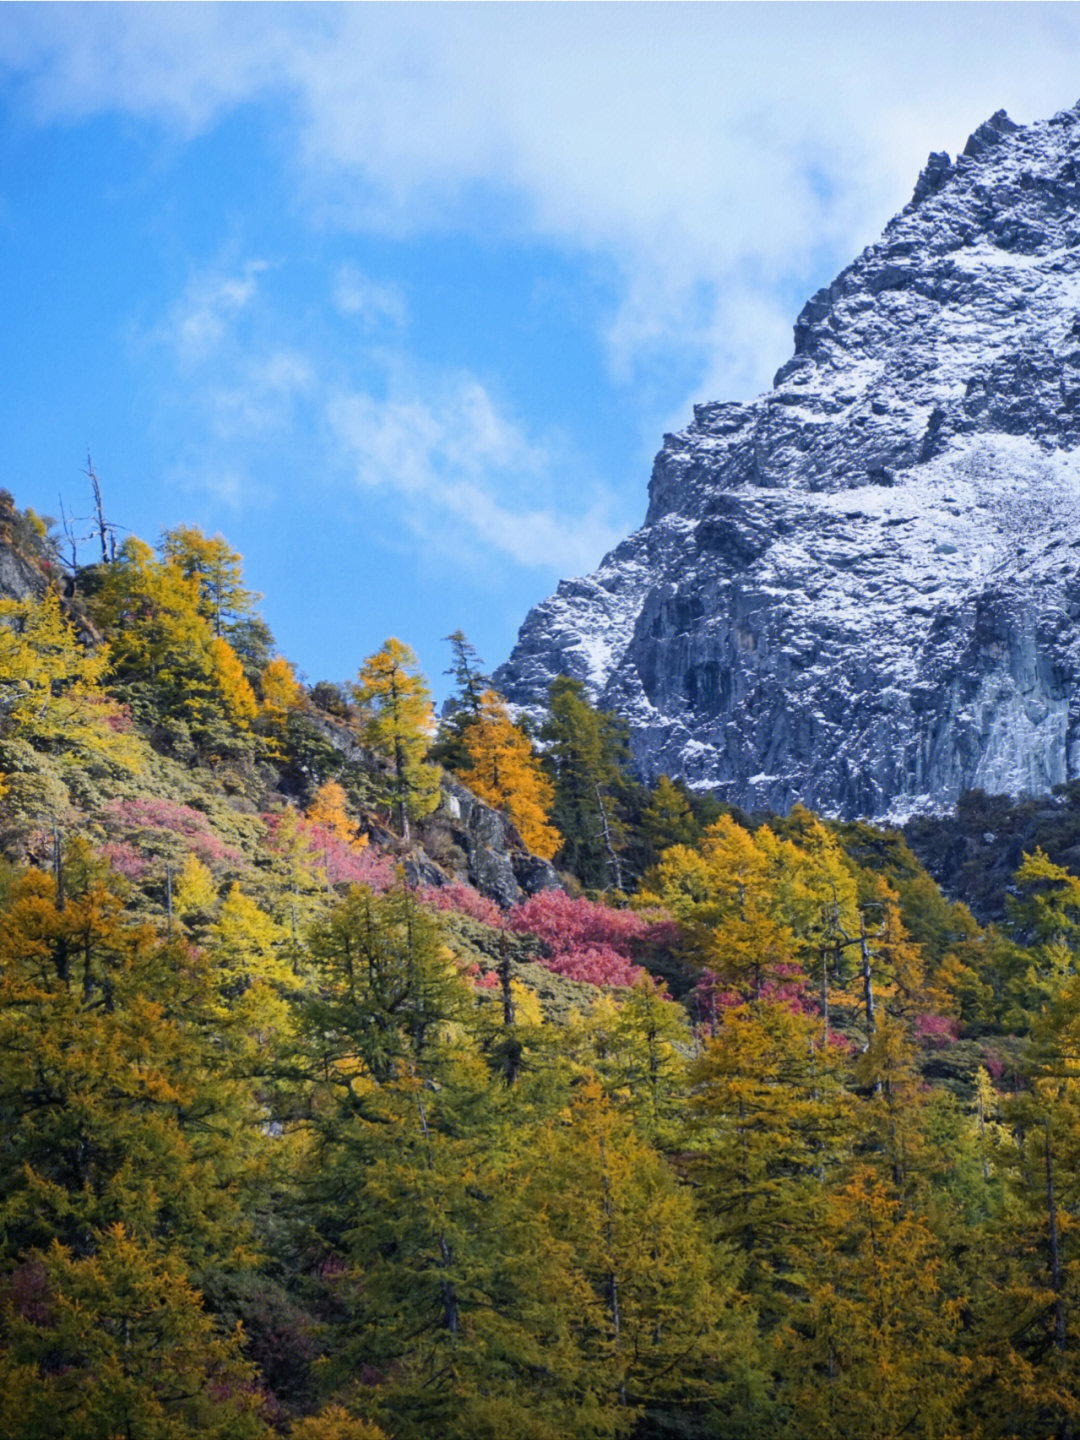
<point x="859" y="590"/>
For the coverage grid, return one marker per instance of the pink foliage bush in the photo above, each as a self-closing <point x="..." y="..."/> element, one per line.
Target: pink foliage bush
<point x="462" y="900"/>
<point x="552" y="916"/>
<point x="343" y="864"/>
<point x="787" y="986"/>
<point x="340" y="863"/>
<point x="125" y="859"/>
<point x="582" y="939"/>
<point x="995" y="1065"/>
<point x="119" y="719"/>
<point x="152" y="815"/>
<point x="936" y="1031"/>
<point x="594" y="964"/>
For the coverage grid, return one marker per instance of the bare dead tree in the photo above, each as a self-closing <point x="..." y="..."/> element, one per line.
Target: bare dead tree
<point x="71" y="538"/>
<point x="103" y="529"/>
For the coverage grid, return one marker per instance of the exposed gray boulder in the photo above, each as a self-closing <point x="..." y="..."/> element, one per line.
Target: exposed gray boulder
<point x="490" y="854"/>
<point x="20" y="579"/>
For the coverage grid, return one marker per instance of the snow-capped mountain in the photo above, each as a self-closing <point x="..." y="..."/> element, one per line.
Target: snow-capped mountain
<point x="861" y="590"/>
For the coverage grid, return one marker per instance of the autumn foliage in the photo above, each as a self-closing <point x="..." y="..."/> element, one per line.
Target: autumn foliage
<point x="582" y="939"/>
<point x="504" y="771"/>
<point x="296" y="1142"/>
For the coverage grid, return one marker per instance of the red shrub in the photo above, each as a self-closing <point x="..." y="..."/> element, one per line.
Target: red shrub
<point x="125" y="859"/>
<point x="339" y="861"/>
<point x="582" y="939"/>
<point x="936" y="1031"/>
<point x="150" y="816"/>
<point x="462" y="900"/>
<point x="995" y="1065"/>
<point x="786" y="986"/>
<point x="344" y="865"/>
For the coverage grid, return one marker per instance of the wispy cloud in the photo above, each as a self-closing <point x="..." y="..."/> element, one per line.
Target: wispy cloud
<point x="371" y="302"/>
<point x="261" y="396"/>
<point x="456" y="466"/>
<point x="453" y="460"/>
<point x="708" y="154"/>
<point x="230" y="383"/>
<point x="199" y="322"/>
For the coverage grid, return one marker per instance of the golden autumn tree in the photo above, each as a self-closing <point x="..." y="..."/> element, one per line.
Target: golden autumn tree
<point x="397" y="722"/>
<point x="282" y="698"/>
<point x="329" y="810"/>
<point x="228" y="607"/>
<point x="237" y="695"/>
<point x="870" y="1345"/>
<point x="282" y="693"/>
<point x="165" y="656"/>
<point x="55" y="717"/>
<point x="151" y="611"/>
<point x="334" y="1423"/>
<point x="51" y="686"/>
<point x="217" y="569"/>
<point x="118" y="1342"/>
<point x="505" y="772"/>
<point x="724" y="891"/>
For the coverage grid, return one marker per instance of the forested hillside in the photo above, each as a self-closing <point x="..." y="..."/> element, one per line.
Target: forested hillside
<point x="367" y="1078"/>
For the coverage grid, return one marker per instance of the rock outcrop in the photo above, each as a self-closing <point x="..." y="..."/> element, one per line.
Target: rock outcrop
<point x="21" y="577"/>
<point x="484" y="848"/>
<point x="464" y="840"/>
<point x="862" y="589"/>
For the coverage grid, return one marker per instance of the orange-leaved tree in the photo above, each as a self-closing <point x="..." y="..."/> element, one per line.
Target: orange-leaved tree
<point x="329" y="810"/>
<point x="505" y="772"/>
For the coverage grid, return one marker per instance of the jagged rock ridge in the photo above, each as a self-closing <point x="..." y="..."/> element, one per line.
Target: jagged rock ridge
<point x="861" y="589"/>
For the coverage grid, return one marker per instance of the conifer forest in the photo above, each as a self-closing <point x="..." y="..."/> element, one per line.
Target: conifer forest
<point x="690" y="1124"/>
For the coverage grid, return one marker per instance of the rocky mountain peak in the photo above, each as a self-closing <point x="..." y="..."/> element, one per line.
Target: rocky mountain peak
<point x="860" y="589"/>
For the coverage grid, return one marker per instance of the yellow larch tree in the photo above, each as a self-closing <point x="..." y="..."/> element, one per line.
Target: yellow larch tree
<point x="236" y="694"/>
<point x="195" y="893"/>
<point x="165" y="656"/>
<point x="282" y="693"/>
<point x="216" y="568"/>
<point x="397" y="723"/>
<point x="506" y="773"/>
<point x="329" y="810"/>
<point x="51" y="686"/>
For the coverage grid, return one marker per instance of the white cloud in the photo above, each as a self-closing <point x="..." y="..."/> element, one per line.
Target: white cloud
<point x="261" y="397"/>
<point x="709" y="155"/>
<point x="372" y="302"/>
<point x="448" y="460"/>
<point x="200" y="321"/>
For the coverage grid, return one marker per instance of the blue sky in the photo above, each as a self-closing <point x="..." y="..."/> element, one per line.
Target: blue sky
<point x="401" y="299"/>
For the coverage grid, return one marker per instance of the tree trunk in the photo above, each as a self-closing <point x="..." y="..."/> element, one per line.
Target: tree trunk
<point x="1055" y="1253"/>
<point x="612" y="1279"/>
<point x="825" y="990"/>
<point x="605" y="835"/>
<point x="99" y="510"/>
<point x="867" y="975"/>
<point x="451" y="1313"/>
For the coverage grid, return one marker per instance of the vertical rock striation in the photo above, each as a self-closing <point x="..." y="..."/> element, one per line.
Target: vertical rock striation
<point x="861" y="590"/>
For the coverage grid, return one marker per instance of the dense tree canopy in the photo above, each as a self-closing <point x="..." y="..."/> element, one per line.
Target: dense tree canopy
<point x="764" y="1135"/>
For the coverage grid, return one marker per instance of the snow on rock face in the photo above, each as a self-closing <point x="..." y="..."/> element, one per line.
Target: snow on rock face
<point x="861" y="590"/>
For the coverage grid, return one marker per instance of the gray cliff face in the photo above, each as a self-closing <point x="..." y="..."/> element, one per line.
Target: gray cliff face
<point x="489" y="853"/>
<point x="861" y="590"/>
<point x="20" y="579"/>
